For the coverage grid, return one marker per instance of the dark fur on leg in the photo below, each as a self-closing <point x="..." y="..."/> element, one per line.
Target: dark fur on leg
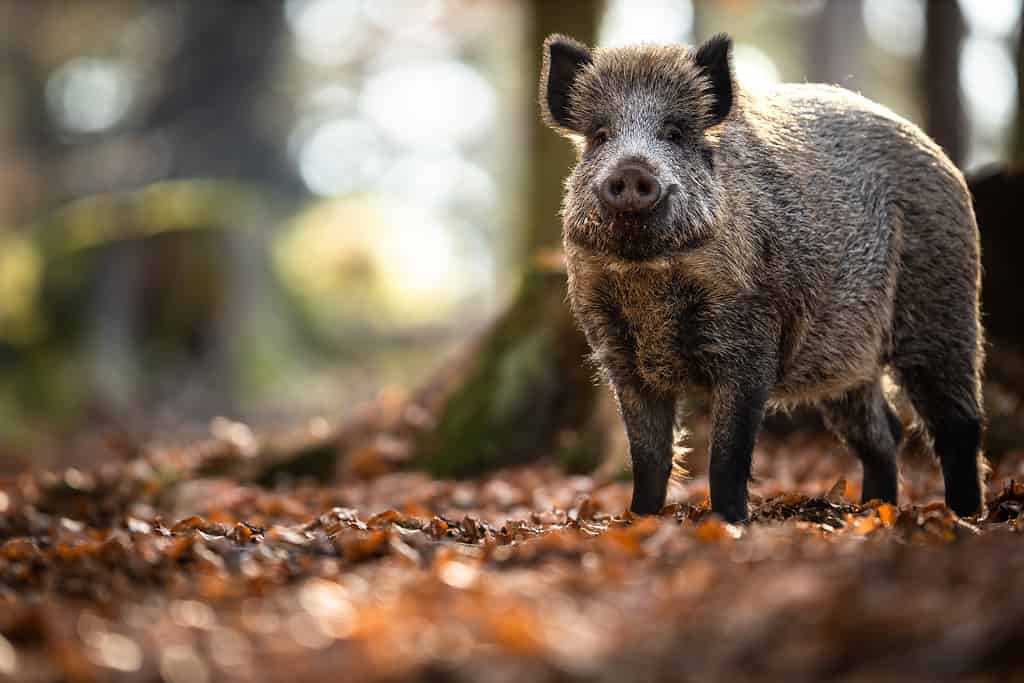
<point x="736" y="418"/>
<point x="957" y="443"/>
<point x="869" y="427"/>
<point x="948" y="403"/>
<point x="649" y="419"/>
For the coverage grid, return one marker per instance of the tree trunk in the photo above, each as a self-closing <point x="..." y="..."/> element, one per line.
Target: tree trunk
<point x="551" y="157"/>
<point x="206" y="110"/>
<point x="996" y="193"/>
<point x="945" y="119"/>
<point x="836" y="42"/>
<point x="211" y="96"/>
<point x="1017" y="153"/>
<point x="528" y="390"/>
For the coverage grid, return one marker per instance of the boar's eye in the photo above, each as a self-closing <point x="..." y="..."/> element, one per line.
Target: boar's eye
<point x="673" y="134"/>
<point x="599" y="137"/>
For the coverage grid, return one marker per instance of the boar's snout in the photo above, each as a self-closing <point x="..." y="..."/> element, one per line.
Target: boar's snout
<point x="630" y="189"/>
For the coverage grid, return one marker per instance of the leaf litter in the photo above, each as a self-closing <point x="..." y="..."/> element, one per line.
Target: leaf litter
<point x="112" y="573"/>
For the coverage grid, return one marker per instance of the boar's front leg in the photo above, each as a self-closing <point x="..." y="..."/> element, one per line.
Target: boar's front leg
<point x="736" y="414"/>
<point x="650" y="418"/>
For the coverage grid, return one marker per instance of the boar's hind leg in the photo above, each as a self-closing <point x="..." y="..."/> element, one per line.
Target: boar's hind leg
<point x="936" y="335"/>
<point x="948" y="403"/>
<point x="866" y="423"/>
<point x="649" y="418"/>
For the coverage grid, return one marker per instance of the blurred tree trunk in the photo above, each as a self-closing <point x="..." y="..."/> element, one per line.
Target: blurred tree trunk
<point x="997" y="192"/>
<point x="1017" y="157"/>
<point x="997" y="196"/>
<point x="527" y="390"/>
<point x="550" y="157"/>
<point x="945" y="119"/>
<point x="210" y="106"/>
<point x="836" y="43"/>
<point x="206" y="116"/>
<point x="28" y="147"/>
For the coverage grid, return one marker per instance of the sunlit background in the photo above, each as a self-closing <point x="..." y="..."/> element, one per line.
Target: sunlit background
<point x="272" y="213"/>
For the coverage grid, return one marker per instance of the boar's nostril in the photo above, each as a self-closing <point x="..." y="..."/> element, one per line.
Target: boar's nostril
<point x="631" y="188"/>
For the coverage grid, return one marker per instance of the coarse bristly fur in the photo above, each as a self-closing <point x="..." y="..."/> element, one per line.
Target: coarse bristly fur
<point x="805" y="242"/>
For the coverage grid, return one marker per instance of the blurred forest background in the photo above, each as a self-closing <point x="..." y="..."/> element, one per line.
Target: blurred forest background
<point x="273" y="211"/>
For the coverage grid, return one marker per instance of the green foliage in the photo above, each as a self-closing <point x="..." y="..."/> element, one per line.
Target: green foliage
<point x="182" y="241"/>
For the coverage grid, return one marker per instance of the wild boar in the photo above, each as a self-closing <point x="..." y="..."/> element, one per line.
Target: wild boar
<point x="776" y="246"/>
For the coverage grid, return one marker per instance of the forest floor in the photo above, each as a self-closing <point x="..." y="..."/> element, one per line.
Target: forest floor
<point x="132" y="571"/>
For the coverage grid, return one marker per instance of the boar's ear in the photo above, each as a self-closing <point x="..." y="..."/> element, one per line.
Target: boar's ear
<point x="564" y="58"/>
<point x="713" y="58"/>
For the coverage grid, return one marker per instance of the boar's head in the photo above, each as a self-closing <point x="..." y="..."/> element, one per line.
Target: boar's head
<point x="646" y="122"/>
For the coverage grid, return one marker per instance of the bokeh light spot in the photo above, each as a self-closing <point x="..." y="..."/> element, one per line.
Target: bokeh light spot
<point x="430" y="105"/>
<point x="989" y="82"/>
<point x="646" y="21"/>
<point x="87" y="95"/>
<point x="895" y="26"/>
<point x="754" y="68"/>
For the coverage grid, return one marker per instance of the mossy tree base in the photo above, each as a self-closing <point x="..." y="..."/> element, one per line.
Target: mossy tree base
<point x="527" y="391"/>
